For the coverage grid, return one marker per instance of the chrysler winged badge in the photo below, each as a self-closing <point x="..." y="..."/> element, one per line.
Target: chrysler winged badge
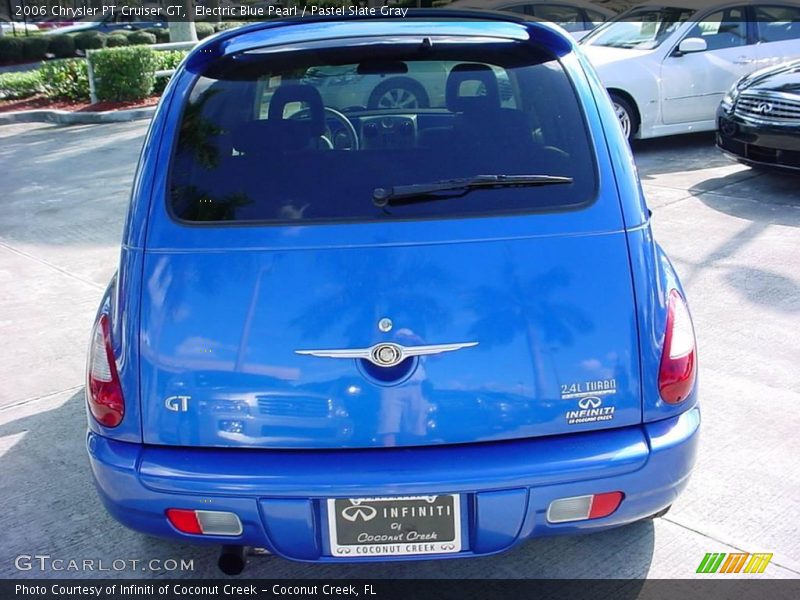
<point x="387" y="354"/>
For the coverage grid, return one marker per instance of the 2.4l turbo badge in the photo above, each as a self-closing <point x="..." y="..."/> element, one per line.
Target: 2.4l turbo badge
<point x="589" y="394"/>
<point x="597" y="387"/>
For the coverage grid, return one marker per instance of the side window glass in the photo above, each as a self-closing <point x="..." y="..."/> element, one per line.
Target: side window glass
<point x="723" y="29"/>
<point x="568" y="17"/>
<point x="520" y="9"/>
<point x="594" y="18"/>
<point x="777" y="23"/>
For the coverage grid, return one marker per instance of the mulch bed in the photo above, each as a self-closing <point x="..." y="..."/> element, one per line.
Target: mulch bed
<point x="35" y="102"/>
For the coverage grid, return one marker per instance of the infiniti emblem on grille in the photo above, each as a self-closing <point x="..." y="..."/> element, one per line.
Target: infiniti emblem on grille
<point x="763" y="108"/>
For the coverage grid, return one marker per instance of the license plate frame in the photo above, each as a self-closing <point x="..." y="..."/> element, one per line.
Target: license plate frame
<point x="428" y="525"/>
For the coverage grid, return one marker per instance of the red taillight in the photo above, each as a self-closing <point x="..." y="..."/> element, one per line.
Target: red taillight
<point x="205" y="522"/>
<point x="678" y="360"/>
<point x="184" y="520"/>
<point x="581" y="508"/>
<point x="104" y="392"/>
<point x="604" y="504"/>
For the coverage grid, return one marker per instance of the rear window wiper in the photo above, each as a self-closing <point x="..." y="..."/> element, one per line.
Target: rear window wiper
<point x="421" y="192"/>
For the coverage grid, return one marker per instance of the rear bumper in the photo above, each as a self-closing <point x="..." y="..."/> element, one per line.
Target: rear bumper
<point x="506" y="487"/>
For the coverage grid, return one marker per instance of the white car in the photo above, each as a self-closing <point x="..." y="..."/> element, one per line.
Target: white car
<point x="16" y="26"/>
<point x="399" y="87"/>
<point x="668" y="64"/>
<point x="578" y="17"/>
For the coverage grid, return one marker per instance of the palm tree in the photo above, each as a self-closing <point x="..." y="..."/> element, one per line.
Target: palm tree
<point x="528" y="308"/>
<point x="371" y="290"/>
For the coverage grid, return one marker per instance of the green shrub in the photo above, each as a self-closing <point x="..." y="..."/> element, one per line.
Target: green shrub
<point x="65" y="79"/>
<point x="19" y="30"/>
<point x="170" y="59"/>
<point x="141" y="37"/>
<point x="124" y="73"/>
<point x="225" y="25"/>
<point x="61" y="45"/>
<point x="161" y="33"/>
<point x="20" y="85"/>
<point x="34" y="47"/>
<point x="203" y="30"/>
<point x="167" y="59"/>
<point x="115" y="41"/>
<point x="90" y="40"/>
<point x="10" y="49"/>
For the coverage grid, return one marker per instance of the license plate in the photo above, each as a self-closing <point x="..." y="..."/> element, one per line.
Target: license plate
<point x="395" y="526"/>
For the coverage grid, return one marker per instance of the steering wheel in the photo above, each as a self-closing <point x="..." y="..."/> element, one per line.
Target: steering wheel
<point x="346" y="126"/>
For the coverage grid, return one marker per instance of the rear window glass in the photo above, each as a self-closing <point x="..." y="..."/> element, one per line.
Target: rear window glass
<point x="309" y="135"/>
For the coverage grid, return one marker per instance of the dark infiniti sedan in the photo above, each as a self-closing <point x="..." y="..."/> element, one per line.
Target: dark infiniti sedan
<point x="759" y="119"/>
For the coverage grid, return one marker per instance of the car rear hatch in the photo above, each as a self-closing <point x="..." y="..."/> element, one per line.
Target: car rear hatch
<point x="552" y="319"/>
<point x="525" y="322"/>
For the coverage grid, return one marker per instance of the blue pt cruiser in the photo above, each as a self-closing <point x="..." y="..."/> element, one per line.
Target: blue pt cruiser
<point x="431" y="325"/>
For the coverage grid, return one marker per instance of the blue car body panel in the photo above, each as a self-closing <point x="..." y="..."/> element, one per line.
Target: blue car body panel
<point x="507" y="486"/>
<point x="553" y="299"/>
<point x="531" y="303"/>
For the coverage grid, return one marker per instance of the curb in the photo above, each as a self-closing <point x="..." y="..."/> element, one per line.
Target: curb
<point x="65" y="117"/>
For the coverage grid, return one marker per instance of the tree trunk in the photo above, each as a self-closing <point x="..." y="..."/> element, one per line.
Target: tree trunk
<point x="214" y="4"/>
<point x="184" y="31"/>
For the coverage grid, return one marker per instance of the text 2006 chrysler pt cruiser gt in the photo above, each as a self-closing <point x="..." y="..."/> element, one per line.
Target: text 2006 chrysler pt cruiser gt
<point x="430" y="328"/>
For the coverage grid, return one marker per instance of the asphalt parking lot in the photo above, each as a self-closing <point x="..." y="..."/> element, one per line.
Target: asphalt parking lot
<point x="733" y="234"/>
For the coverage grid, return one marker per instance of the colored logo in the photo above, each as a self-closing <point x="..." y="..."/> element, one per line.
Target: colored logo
<point x="736" y="562"/>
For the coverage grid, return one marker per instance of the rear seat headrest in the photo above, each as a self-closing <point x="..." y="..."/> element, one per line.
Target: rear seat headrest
<point x="279" y="134"/>
<point x="476" y="72"/>
<point x="305" y="94"/>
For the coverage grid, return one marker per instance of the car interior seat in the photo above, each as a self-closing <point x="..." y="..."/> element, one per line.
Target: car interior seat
<point x="279" y="134"/>
<point x="483" y="129"/>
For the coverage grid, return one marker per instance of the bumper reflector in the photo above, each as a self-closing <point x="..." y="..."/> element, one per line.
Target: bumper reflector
<point x="204" y="522"/>
<point x="581" y="508"/>
<point x="605" y="504"/>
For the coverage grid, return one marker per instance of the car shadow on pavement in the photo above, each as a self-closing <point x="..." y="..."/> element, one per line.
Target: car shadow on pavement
<point x="767" y="197"/>
<point x="677" y="153"/>
<point x="51" y="508"/>
<point x="763" y="200"/>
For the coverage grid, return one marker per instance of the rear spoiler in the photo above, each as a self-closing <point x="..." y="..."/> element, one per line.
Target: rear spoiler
<point x="277" y="32"/>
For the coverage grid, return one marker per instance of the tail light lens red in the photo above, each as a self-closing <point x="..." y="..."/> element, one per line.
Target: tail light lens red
<point x="581" y="508"/>
<point x="204" y="522"/>
<point x="184" y="520"/>
<point x="605" y="504"/>
<point x="678" y="368"/>
<point x="103" y="389"/>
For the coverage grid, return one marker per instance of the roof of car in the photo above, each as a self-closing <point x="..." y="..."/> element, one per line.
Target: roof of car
<point x="707" y="4"/>
<point x="499" y="4"/>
